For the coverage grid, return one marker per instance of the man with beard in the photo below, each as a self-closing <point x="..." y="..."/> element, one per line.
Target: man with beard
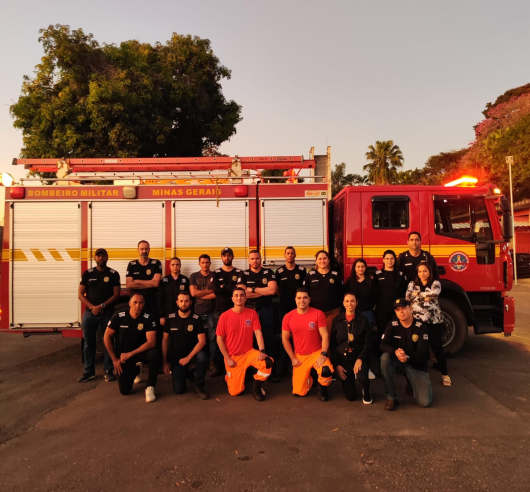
<point x="184" y="339"/>
<point x="223" y="284"/>
<point x="98" y="291"/>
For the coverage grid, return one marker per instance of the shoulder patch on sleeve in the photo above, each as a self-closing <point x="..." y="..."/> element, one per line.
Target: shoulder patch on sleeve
<point x="246" y="272"/>
<point x="377" y="272"/>
<point x="334" y="273"/>
<point x="91" y="270"/>
<point x="237" y="270"/>
<point x="280" y="270"/>
<point x="425" y="336"/>
<point x="265" y="272"/>
<point x="394" y="323"/>
<point x="195" y="316"/>
<point x="301" y="268"/>
<point x="153" y="262"/>
<point x="218" y="270"/>
<point x="133" y="263"/>
<point x="112" y="271"/>
<point x="418" y="323"/>
<point x="165" y="279"/>
<point x="121" y="314"/>
<point x="146" y="316"/>
<point x="172" y="315"/>
<point x="312" y="272"/>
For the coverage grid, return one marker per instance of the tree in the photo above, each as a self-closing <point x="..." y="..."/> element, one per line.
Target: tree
<point x="409" y="177"/>
<point x="442" y="167"/>
<point x="131" y="100"/>
<point x="386" y="158"/>
<point x="339" y="179"/>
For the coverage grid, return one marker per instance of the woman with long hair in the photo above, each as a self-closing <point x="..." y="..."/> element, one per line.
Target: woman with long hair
<point x="325" y="287"/>
<point x="362" y="286"/>
<point x="423" y="294"/>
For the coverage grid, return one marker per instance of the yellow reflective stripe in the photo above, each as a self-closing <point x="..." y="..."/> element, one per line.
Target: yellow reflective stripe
<point x="18" y="255"/>
<point x="55" y="254"/>
<point x="354" y="251"/>
<point x="372" y="251"/>
<point x="74" y="253"/>
<point x="448" y="250"/>
<point x="38" y="254"/>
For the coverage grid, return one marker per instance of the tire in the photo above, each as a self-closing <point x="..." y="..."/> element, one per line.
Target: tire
<point x="455" y="332"/>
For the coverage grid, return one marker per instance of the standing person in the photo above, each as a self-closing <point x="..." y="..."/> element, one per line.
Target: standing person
<point x="311" y="343"/>
<point x="184" y="339"/>
<point x="98" y="291"/>
<point x="169" y="289"/>
<point x="260" y="286"/>
<point x="423" y="294"/>
<point x="131" y="340"/>
<point x="325" y="287"/>
<point x="408" y="261"/>
<point x="289" y="277"/>
<point x="364" y="289"/>
<point x="224" y="282"/>
<point x="350" y="347"/>
<point x="405" y="346"/>
<point x="201" y="289"/>
<point x="235" y="332"/>
<point x="390" y="284"/>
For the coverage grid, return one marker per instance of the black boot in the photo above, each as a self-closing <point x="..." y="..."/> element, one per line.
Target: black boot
<point x="199" y="390"/>
<point x="322" y="393"/>
<point x="256" y="391"/>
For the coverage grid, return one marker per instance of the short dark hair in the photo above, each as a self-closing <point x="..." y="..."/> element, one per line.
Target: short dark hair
<point x="322" y="251"/>
<point x="302" y="290"/>
<point x="175" y="258"/>
<point x="204" y="255"/>
<point x="290" y="247"/>
<point x="239" y="288"/>
<point x="184" y="293"/>
<point x="137" y="294"/>
<point x="349" y="294"/>
<point x="414" y="232"/>
<point x="143" y="241"/>
<point x="255" y="251"/>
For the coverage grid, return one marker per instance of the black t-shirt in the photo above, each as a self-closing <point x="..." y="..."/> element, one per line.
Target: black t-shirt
<point x="414" y="340"/>
<point x="183" y="334"/>
<point x="390" y="285"/>
<point x="130" y="332"/>
<point x="99" y="285"/>
<point x="259" y="279"/>
<point x="325" y="289"/>
<point x="408" y="264"/>
<point x="168" y="292"/>
<point x="364" y="291"/>
<point x="289" y="281"/>
<point x="145" y="272"/>
<point x="223" y="287"/>
<point x="202" y="282"/>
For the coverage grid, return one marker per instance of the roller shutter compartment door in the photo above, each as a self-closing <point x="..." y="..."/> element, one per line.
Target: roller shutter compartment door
<point x="46" y="266"/>
<point x="119" y="226"/>
<point x="297" y="223"/>
<point x="202" y="227"/>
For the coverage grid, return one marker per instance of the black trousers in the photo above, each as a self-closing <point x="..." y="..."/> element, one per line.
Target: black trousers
<point x="348" y="385"/>
<point x="130" y="370"/>
<point x="436" y="343"/>
<point x="180" y="373"/>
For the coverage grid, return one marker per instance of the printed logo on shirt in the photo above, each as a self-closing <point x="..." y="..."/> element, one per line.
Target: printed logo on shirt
<point x="264" y="280"/>
<point x="121" y="315"/>
<point x="124" y="326"/>
<point x="172" y="315"/>
<point x="174" y="329"/>
<point x="106" y="279"/>
<point x="397" y="336"/>
<point x="234" y="278"/>
<point x="165" y="280"/>
<point x="92" y="279"/>
<point x="190" y="327"/>
<point x="265" y="272"/>
<point x="148" y="271"/>
<point x="331" y="280"/>
<point x="312" y="325"/>
<point x="425" y="336"/>
<point x="415" y="338"/>
<point x="146" y="315"/>
<point x="297" y="276"/>
<point x="333" y="273"/>
<point x="140" y="326"/>
<point x="182" y="287"/>
<point x="135" y="273"/>
<point x="394" y="323"/>
<point x="418" y="324"/>
<point x="247" y="322"/>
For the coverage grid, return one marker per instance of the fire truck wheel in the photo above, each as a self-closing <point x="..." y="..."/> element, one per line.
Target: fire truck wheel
<point x="455" y="333"/>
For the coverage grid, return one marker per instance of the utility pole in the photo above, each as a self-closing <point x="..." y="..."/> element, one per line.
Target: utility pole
<point x="509" y="161"/>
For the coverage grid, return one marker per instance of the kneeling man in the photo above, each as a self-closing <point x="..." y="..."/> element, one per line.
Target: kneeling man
<point x="130" y="340"/>
<point x="405" y="346"/>
<point x="235" y="333"/>
<point x="185" y="339"/>
<point x="311" y="342"/>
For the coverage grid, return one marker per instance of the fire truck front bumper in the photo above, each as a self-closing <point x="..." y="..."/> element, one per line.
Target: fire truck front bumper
<point x="509" y="315"/>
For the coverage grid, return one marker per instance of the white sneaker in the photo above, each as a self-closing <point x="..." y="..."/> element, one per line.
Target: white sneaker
<point x="138" y="379"/>
<point x="371" y="375"/>
<point x="150" y="394"/>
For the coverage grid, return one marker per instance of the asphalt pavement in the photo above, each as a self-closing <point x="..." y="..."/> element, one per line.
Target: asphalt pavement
<point x="58" y="435"/>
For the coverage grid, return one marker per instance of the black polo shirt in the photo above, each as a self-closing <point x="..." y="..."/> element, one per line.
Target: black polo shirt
<point x="168" y="292"/>
<point x="137" y="271"/>
<point x="202" y="282"/>
<point x="325" y="289"/>
<point x="223" y="287"/>
<point x="408" y="264"/>
<point x="390" y="285"/>
<point x="183" y="334"/>
<point x="130" y="332"/>
<point x="289" y="281"/>
<point x="99" y="286"/>
<point x="257" y="279"/>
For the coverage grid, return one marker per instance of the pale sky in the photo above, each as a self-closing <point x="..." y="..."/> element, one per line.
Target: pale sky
<point x="307" y="73"/>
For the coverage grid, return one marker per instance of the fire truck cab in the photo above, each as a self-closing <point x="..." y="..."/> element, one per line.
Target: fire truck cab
<point x="459" y="226"/>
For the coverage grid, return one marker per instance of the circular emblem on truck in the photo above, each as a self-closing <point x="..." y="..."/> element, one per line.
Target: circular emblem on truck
<point x="459" y="261"/>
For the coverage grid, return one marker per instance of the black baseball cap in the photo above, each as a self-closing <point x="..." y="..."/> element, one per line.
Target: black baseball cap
<point x="227" y="251"/>
<point x="101" y="251"/>
<point x="401" y="302"/>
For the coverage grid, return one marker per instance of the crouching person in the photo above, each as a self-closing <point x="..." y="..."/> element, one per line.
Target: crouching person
<point x="185" y="339"/>
<point x="235" y="334"/>
<point x="130" y="339"/>
<point x="405" y="346"/>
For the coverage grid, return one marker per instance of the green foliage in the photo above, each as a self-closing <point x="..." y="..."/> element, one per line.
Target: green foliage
<point x="131" y="100"/>
<point x="441" y="168"/>
<point x="510" y="94"/>
<point x="385" y="160"/>
<point x="409" y="177"/>
<point x="339" y="179"/>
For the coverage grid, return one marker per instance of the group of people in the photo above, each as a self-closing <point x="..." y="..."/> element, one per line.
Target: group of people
<point x="329" y="328"/>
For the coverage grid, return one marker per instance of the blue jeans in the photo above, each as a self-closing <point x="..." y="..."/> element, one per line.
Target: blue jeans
<point x="179" y="373"/>
<point x="210" y="325"/>
<point x="420" y="381"/>
<point x="266" y="319"/>
<point x="370" y="316"/>
<point x="90" y="324"/>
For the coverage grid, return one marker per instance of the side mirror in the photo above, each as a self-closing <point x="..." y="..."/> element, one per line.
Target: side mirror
<point x="507" y="226"/>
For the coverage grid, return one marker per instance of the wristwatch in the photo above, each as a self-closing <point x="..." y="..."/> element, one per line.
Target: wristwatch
<point x="262" y="351"/>
<point x="102" y="305"/>
<point x="325" y="354"/>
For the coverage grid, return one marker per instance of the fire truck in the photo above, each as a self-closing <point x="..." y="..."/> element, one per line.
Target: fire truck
<point x="189" y="206"/>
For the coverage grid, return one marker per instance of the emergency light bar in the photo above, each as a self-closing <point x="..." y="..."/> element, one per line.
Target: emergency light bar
<point x="462" y="181"/>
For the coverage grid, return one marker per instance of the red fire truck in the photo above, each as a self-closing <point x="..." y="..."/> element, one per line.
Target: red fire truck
<point x="188" y="206"/>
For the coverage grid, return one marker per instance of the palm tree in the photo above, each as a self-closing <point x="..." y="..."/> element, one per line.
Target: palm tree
<point x="386" y="158"/>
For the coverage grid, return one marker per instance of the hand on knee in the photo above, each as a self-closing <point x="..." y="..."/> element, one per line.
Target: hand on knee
<point x="326" y="372"/>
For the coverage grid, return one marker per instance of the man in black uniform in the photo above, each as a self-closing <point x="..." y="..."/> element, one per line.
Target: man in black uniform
<point x="290" y="277"/>
<point x="169" y="289"/>
<point x="130" y="340"/>
<point x="260" y="285"/>
<point x="405" y="346"/>
<point x="224" y="281"/>
<point x="409" y="260"/>
<point x="184" y="339"/>
<point x="98" y="291"/>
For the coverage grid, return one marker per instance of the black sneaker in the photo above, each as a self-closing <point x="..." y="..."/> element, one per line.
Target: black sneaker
<point x="109" y="376"/>
<point x="199" y="391"/>
<point x="85" y="377"/>
<point x="322" y="393"/>
<point x="367" y="397"/>
<point x="256" y="391"/>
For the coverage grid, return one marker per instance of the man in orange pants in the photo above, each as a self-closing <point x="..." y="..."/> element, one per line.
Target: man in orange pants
<point x="311" y="342"/>
<point x="235" y="333"/>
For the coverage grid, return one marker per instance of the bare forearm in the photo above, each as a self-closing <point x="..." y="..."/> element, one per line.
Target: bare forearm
<point x="200" y="345"/>
<point x="222" y="347"/>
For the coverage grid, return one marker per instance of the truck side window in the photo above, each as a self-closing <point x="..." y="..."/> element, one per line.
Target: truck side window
<point x="390" y="212"/>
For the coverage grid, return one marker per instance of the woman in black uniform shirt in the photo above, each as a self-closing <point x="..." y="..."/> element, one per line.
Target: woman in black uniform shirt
<point x="390" y="284"/>
<point x="363" y="287"/>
